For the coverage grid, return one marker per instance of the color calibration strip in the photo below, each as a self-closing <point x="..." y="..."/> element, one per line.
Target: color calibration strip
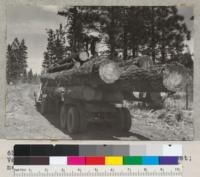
<point x="98" y="150"/>
<point x="97" y="154"/>
<point x="98" y="160"/>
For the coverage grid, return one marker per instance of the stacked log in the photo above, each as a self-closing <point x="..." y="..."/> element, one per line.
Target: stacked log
<point x="61" y="67"/>
<point x="124" y="76"/>
<point x="69" y="62"/>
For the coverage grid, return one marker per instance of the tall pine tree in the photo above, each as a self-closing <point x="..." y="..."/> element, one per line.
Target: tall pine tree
<point x="157" y="31"/>
<point x="56" y="47"/>
<point x="16" y="60"/>
<point x="49" y="57"/>
<point x="23" y="58"/>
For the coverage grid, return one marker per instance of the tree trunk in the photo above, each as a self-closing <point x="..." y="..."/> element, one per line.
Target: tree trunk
<point x="125" y="43"/>
<point x="186" y="97"/>
<point x="111" y="32"/>
<point x="112" y="47"/>
<point x="87" y="46"/>
<point x="153" y="53"/>
<point x="134" y="51"/>
<point x="163" y="55"/>
<point x="93" y="47"/>
<point x="134" y="46"/>
<point x="163" y="52"/>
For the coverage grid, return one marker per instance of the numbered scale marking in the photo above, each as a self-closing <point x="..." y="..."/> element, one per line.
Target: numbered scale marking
<point x="94" y="171"/>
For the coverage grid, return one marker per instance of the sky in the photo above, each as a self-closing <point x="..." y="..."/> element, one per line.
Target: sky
<point x="30" y="22"/>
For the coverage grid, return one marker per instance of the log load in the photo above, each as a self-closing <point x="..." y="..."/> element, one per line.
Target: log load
<point x="125" y="76"/>
<point x="68" y="63"/>
<point x="86" y="93"/>
<point x="61" y="67"/>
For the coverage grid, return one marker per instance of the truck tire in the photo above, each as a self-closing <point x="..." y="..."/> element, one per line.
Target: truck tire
<point x="73" y="120"/>
<point x="83" y="120"/>
<point x="63" y="116"/>
<point x="122" y="120"/>
<point x="44" y="106"/>
<point x="127" y="119"/>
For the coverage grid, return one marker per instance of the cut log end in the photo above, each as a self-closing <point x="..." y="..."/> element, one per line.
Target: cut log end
<point x="109" y="72"/>
<point x="144" y="62"/>
<point x="83" y="56"/>
<point x="175" y="77"/>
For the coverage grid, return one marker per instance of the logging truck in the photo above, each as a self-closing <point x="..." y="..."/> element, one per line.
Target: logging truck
<point x="97" y="88"/>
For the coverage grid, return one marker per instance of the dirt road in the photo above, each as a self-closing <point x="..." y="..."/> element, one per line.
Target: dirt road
<point x="23" y="121"/>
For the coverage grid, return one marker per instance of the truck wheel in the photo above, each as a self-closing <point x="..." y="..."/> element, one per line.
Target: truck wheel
<point x="122" y="120"/>
<point x="83" y="120"/>
<point x="44" y="106"/>
<point x="63" y="116"/>
<point x="127" y="119"/>
<point x="73" y="120"/>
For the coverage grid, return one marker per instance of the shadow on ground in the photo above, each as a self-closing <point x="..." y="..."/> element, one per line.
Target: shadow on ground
<point x="96" y="131"/>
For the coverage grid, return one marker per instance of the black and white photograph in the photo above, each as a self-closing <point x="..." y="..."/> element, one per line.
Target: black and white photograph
<point x="99" y="72"/>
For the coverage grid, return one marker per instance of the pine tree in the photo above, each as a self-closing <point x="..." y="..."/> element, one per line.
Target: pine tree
<point x="168" y="33"/>
<point x="30" y="76"/>
<point x="16" y="61"/>
<point x="136" y="29"/>
<point x="49" y="56"/>
<point x="16" y="58"/>
<point x="159" y="32"/>
<point x="150" y="37"/>
<point x="10" y="65"/>
<point x="56" y="47"/>
<point x="75" y="27"/>
<point x="125" y="31"/>
<point x="25" y="76"/>
<point x="12" y="61"/>
<point x="23" y="57"/>
<point x="109" y="19"/>
<point x="59" y="44"/>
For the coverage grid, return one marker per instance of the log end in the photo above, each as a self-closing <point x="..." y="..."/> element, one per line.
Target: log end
<point x="83" y="56"/>
<point x="175" y="77"/>
<point x="109" y="72"/>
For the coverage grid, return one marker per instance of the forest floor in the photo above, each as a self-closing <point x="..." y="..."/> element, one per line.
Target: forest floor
<point x="23" y="121"/>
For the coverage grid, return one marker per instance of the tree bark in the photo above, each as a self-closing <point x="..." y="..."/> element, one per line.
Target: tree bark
<point x="111" y="33"/>
<point x="125" y="44"/>
<point x="163" y="52"/>
<point x="153" y="36"/>
<point x="64" y="66"/>
<point x="112" y="47"/>
<point x="125" y="77"/>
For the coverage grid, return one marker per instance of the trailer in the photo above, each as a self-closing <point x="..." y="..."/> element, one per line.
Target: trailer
<point x="96" y="90"/>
